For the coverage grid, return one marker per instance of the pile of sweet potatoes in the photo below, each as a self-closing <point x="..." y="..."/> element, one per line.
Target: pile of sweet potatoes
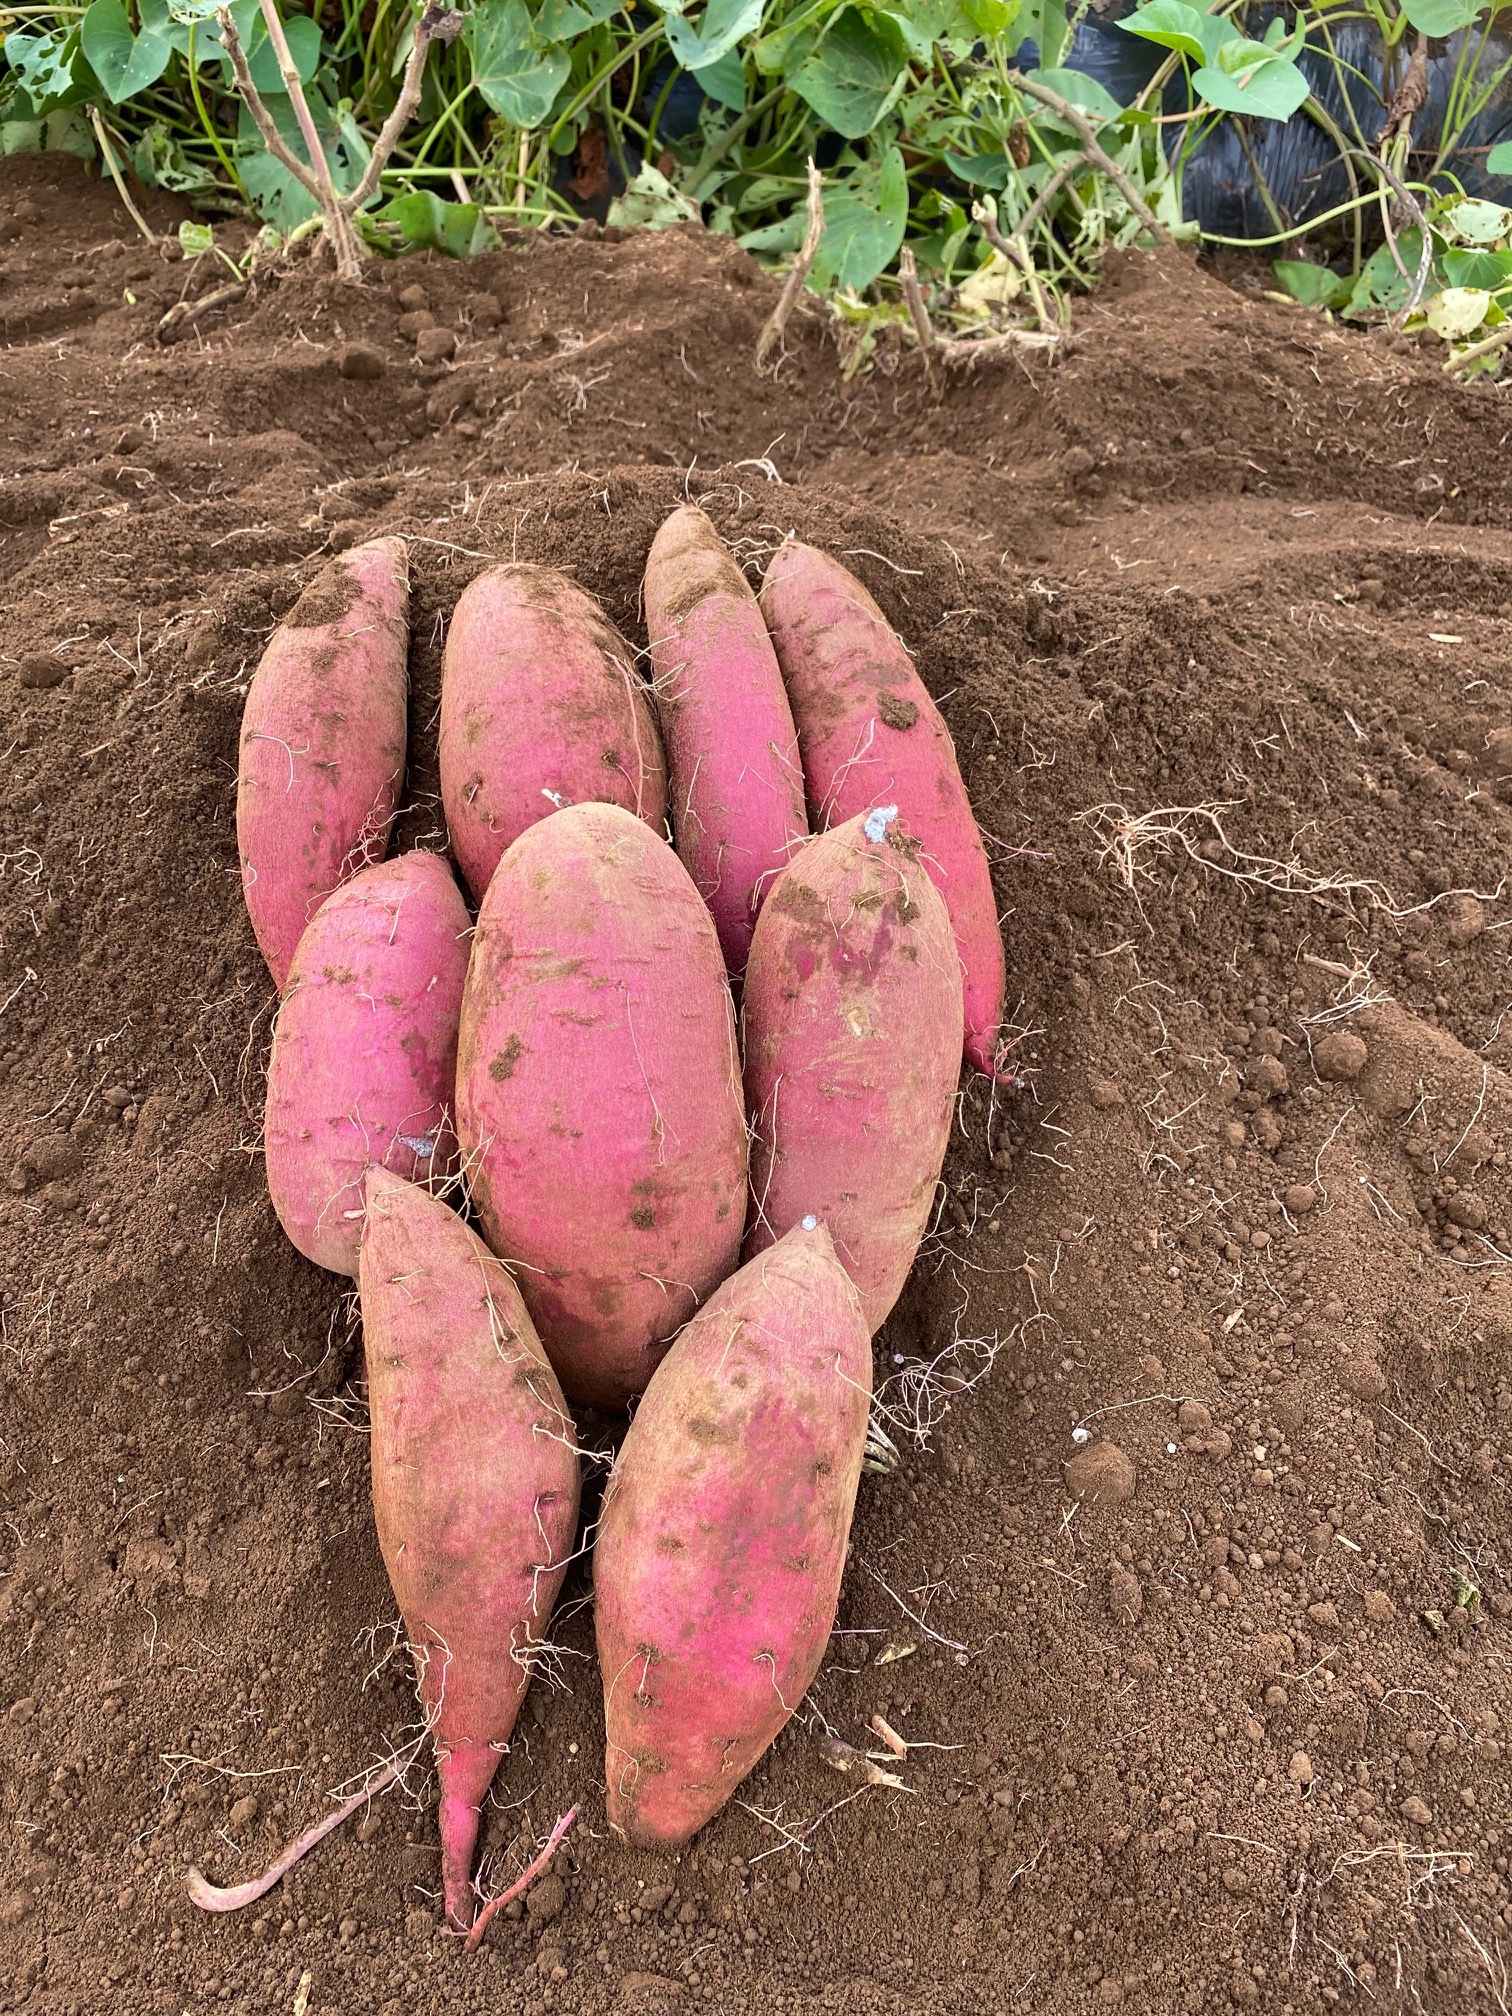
<point x="561" y="1169"/>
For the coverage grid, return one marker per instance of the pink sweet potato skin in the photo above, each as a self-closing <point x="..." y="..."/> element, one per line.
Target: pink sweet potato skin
<point x="734" y="775"/>
<point x="719" y="1556"/>
<point x="871" y="735"/>
<point x="364" y="1050"/>
<point x="475" y="1485"/>
<point x="541" y="707"/>
<point x="322" y="744"/>
<point x="852" y="1011"/>
<point x="598" y="1094"/>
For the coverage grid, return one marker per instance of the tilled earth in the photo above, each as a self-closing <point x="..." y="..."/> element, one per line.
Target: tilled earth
<point x="1191" y="1597"/>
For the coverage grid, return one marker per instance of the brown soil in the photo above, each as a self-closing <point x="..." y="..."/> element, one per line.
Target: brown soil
<point x="1227" y="1725"/>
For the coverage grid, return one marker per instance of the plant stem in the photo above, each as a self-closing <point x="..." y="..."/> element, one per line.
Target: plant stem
<point x="776" y="322"/>
<point x="115" y="175"/>
<point x="1093" y="148"/>
<point x="221" y="150"/>
<point x="338" y="224"/>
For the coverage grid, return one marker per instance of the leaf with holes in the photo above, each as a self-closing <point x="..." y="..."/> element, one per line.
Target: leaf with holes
<point x="1481" y="222"/>
<point x="1457" y="312"/>
<point x="724" y="23"/>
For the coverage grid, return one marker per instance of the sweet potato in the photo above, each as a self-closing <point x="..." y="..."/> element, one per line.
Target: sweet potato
<point x="871" y="735"/>
<point x="322" y="744"/>
<point x="364" y="1050"/>
<point x="735" y="780"/>
<point x="852" y="1012"/>
<point x="598" y="1093"/>
<point x="541" y="707"/>
<point x="475" y="1485"/>
<point x="719" y="1555"/>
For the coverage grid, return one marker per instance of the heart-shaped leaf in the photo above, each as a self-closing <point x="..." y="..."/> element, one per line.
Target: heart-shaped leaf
<point x="124" y="61"/>
<point x="1272" y="89"/>
<point x="852" y="76"/>
<point x="518" y="75"/>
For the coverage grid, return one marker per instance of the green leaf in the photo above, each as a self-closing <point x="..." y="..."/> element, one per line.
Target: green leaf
<point x="1381" y="285"/>
<point x="1174" y="25"/>
<point x="561" y="20"/>
<point x="1044" y="24"/>
<point x="991" y="17"/>
<point x="1085" y="93"/>
<point x="52" y="70"/>
<point x="124" y="62"/>
<point x="852" y="77"/>
<point x="518" y="76"/>
<point x="59" y="133"/>
<point x="650" y="203"/>
<point x="924" y="23"/>
<point x="724" y="81"/>
<point x="982" y="171"/>
<point x="865" y="217"/>
<point x="1273" y="89"/>
<point x="1238" y="56"/>
<point x="1314" y="286"/>
<point x="161" y="162"/>
<point x="725" y="22"/>
<point x="281" y="200"/>
<point x="1481" y="222"/>
<point x="300" y="32"/>
<point x="1440" y="17"/>
<point x="1457" y="312"/>
<point x="1499" y="160"/>
<point x="1490" y="270"/>
<point x="195" y="240"/>
<point x="427" y="223"/>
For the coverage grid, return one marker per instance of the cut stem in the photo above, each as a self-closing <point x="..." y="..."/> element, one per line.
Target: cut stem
<point x="1094" y="150"/>
<point x="436" y="24"/>
<point x="115" y="175"/>
<point x="777" y="321"/>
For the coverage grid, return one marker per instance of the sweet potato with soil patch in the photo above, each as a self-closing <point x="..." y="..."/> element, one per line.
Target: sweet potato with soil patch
<point x="734" y="775"/>
<point x="598" y="1094"/>
<point x="851" y="1018"/>
<point x="364" y="1055"/>
<point x="475" y="1486"/>
<point x="871" y="735"/>
<point x="322" y="744"/>
<point x="719" y="1555"/>
<point x="541" y="707"/>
